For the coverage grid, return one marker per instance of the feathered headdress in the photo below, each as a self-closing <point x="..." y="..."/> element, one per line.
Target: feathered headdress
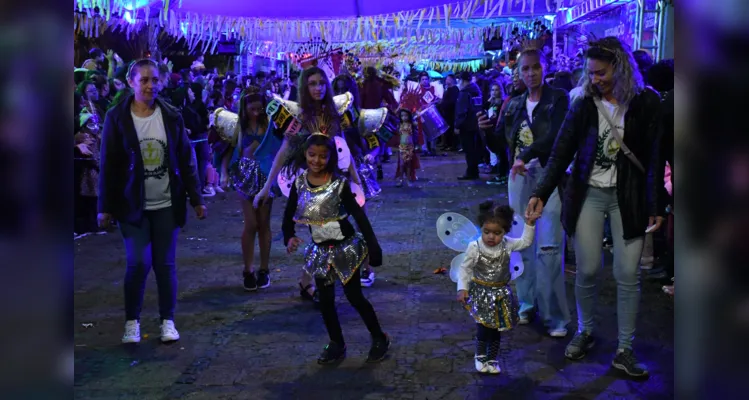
<point x="321" y="125"/>
<point x="410" y="98"/>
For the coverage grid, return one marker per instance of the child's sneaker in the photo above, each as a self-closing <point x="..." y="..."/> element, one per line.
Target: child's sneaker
<point x="367" y="277"/>
<point x="132" y="332"/>
<point x="331" y="353"/>
<point x="480" y="363"/>
<point x="208" y="192"/>
<point x="168" y="331"/>
<point x="492" y="367"/>
<point x="379" y="349"/>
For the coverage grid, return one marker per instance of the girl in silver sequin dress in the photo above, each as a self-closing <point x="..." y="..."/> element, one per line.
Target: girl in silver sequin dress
<point x="247" y="178"/>
<point x="321" y="198"/>
<point x="484" y="277"/>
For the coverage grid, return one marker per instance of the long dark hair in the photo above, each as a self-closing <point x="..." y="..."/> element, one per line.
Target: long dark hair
<point x="244" y="117"/>
<point x="312" y="109"/>
<point x="318" y="140"/>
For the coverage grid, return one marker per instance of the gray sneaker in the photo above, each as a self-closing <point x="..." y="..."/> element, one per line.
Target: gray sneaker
<point x="626" y="361"/>
<point x="579" y="346"/>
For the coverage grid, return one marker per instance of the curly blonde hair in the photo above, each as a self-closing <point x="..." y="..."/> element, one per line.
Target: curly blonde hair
<point x="628" y="80"/>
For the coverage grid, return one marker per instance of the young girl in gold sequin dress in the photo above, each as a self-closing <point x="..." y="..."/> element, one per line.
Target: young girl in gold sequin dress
<point x="484" y="277"/>
<point x="322" y="199"/>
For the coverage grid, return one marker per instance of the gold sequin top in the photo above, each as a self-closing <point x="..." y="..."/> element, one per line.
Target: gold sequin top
<point x="319" y="205"/>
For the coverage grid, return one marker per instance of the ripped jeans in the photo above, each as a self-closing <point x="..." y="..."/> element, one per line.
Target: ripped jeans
<point x="542" y="280"/>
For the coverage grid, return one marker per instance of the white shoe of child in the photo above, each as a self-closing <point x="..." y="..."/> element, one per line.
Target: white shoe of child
<point x="481" y="366"/>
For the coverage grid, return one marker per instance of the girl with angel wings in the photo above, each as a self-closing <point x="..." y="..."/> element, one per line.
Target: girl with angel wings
<point x="484" y="271"/>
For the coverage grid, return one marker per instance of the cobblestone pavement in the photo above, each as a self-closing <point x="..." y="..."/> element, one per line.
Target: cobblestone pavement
<point x="263" y="345"/>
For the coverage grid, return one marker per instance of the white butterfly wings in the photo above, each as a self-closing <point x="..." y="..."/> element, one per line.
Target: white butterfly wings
<point x="457" y="232"/>
<point x="344" y="154"/>
<point x="285" y="182"/>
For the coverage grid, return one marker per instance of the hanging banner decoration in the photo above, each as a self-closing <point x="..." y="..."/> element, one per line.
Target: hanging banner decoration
<point x="411" y="28"/>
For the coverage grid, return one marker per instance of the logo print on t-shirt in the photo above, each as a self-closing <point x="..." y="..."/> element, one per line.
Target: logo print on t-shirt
<point x="155" y="158"/>
<point x="606" y="149"/>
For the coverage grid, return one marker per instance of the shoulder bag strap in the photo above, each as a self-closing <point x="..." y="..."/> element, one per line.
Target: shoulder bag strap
<point x="618" y="137"/>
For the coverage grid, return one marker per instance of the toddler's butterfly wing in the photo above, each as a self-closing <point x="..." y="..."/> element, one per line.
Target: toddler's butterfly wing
<point x="358" y="193"/>
<point x="456" y="231"/>
<point x="285" y="181"/>
<point x="516" y="260"/>
<point x="516" y="265"/>
<point x="455" y="266"/>
<point x="344" y="154"/>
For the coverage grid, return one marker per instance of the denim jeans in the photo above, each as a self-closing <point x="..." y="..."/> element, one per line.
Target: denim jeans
<point x="152" y="244"/>
<point x="542" y="280"/>
<point x="588" y="237"/>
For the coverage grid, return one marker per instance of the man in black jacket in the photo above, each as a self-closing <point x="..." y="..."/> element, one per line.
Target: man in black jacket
<point x="530" y="123"/>
<point x="466" y="124"/>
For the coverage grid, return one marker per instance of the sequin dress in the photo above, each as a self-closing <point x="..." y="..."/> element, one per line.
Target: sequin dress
<point x="336" y="250"/>
<point x="485" y="274"/>
<point x="245" y="174"/>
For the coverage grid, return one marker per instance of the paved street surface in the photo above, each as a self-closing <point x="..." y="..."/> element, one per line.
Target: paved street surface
<point x="263" y="345"/>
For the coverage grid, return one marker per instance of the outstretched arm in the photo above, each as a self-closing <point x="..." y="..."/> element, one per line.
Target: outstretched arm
<point x="524" y="242"/>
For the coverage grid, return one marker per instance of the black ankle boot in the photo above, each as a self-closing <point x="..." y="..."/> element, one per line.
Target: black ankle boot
<point x="332" y="353"/>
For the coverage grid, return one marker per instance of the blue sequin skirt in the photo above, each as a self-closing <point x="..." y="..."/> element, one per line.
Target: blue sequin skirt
<point x="247" y="178"/>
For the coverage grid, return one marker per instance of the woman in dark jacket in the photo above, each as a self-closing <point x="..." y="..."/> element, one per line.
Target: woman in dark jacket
<point x="607" y="181"/>
<point x="147" y="171"/>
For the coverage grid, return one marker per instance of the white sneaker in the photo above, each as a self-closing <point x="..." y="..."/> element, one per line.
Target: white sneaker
<point x="218" y="189"/>
<point x="208" y="192"/>
<point x="492" y="367"/>
<point x="168" y="331"/>
<point x="482" y="367"/>
<point x="368" y="281"/>
<point x="132" y="332"/>
<point x="558" y="332"/>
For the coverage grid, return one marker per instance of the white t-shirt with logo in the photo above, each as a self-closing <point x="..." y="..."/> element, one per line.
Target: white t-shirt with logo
<point x="604" y="165"/>
<point x="525" y="136"/>
<point x="153" y="148"/>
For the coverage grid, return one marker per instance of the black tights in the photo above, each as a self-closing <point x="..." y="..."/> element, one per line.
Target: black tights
<point x="356" y="298"/>
<point x="487" y="343"/>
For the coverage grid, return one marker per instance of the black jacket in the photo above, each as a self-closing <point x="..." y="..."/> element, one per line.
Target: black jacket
<point x="547" y="119"/>
<point x="468" y="104"/>
<point x="121" y="178"/>
<point x="637" y="192"/>
<point x="447" y="106"/>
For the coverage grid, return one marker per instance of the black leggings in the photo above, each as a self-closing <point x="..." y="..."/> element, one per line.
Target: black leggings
<point x="356" y="298"/>
<point x="487" y="343"/>
<point x="485" y="334"/>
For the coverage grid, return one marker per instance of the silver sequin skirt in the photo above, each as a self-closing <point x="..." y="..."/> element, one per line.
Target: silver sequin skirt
<point x="341" y="259"/>
<point x="495" y="307"/>
<point x="368" y="179"/>
<point x="247" y="178"/>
